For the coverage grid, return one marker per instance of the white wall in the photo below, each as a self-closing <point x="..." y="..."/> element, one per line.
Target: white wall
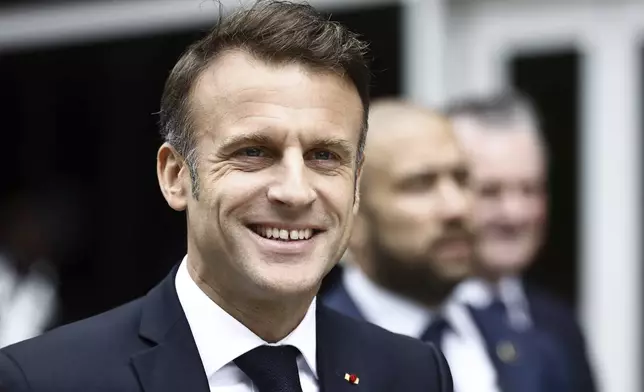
<point x="40" y="25"/>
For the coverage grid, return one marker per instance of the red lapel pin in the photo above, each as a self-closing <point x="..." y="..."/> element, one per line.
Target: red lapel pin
<point x="352" y="378"/>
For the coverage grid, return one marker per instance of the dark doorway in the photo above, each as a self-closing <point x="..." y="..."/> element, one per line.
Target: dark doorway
<point x="552" y="81"/>
<point x="84" y="115"/>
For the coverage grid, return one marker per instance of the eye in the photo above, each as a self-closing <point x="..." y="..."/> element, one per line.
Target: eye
<point x="419" y="183"/>
<point x="322" y="155"/>
<point x="490" y="191"/>
<point x="462" y="177"/>
<point x="252" y="152"/>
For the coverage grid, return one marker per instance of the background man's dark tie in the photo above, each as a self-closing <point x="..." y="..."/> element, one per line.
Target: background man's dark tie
<point x="519" y="356"/>
<point x="435" y="331"/>
<point x="272" y="368"/>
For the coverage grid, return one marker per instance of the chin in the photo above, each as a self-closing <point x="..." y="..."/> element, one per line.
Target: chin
<point x="288" y="281"/>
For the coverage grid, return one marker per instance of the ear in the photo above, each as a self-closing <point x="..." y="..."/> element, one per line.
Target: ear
<point x="173" y="176"/>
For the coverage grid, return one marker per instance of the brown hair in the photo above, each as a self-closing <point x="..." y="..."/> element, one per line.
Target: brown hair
<point x="275" y="32"/>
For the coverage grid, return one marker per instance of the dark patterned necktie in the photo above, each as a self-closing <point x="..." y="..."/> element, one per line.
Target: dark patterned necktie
<point x="272" y="368"/>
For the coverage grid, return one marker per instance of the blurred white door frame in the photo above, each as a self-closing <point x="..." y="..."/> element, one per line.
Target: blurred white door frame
<point x="481" y="36"/>
<point x="424" y="50"/>
<point x="38" y="25"/>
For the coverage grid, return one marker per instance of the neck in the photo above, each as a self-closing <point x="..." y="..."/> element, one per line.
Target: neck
<point x="418" y="285"/>
<point x="490" y="276"/>
<point x="272" y="319"/>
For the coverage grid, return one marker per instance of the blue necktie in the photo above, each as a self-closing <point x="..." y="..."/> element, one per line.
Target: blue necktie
<point x="435" y="331"/>
<point x="272" y="368"/>
<point x="515" y="354"/>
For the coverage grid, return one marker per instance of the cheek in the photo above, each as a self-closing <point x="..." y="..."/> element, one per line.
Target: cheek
<point x="235" y="188"/>
<point x="408" y="226"/>
<point x="337" y="192"/>
<point x="540" y="211"/>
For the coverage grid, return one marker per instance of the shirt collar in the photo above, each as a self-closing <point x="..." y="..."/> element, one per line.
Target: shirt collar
<point x="384" y="308"/>
<point x="220" y="338"/>
<point x="480" y="293"/>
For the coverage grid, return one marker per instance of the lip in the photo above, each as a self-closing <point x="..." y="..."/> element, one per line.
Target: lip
<point x="454" y="248"/>
<point x="298" y="247"/>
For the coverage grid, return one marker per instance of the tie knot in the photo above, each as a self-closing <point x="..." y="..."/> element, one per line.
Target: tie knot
<point x="497" y="307"/>
<point x="271" y="368"/>
<point x="435" y="331"/>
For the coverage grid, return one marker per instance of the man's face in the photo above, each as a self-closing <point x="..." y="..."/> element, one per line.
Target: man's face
<point x="417" y="204"/>
<point x="508" y="176"/>
<point x="277" y="149"/>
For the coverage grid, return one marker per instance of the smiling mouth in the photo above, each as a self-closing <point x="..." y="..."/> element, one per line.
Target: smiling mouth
<point x="283" y="234"/>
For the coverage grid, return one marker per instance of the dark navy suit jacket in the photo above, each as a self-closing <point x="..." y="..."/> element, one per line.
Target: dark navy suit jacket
<point x="549" y="315"/>
<point x="147" y="345"/>
<point x="553" y="317"/>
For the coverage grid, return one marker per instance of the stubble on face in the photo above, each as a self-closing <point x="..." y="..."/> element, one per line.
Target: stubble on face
<point x="277" y="151"/>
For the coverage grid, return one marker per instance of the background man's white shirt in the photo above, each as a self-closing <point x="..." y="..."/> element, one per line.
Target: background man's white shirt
<point x="463" y="346"/>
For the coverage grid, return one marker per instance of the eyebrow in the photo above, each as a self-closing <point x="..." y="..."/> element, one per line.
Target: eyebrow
<point x="340" y="145"/>
<point x="253" y="138"/>
<point x="427" y="172"/>
<point x="261" y="138"/>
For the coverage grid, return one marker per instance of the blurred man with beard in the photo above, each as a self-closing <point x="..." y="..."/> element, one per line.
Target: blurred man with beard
<point x="411" y="243"/>
<point x="535" y="340"/>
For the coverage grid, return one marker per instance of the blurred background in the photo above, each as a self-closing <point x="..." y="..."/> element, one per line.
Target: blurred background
<point x="80" y="82"/>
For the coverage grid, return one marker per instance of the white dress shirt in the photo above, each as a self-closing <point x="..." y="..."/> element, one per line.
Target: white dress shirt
<point x="479" y="293"/>
<point x="220" y="339"/>
<point x="463" y="346"/>
<point x="27" y="305"/>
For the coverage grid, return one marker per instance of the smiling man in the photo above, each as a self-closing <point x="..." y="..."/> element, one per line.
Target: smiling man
<point x="532" y="336"/>
<point x="265" y="124"/>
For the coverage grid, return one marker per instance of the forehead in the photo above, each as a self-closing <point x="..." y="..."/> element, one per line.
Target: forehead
<point x="507" y="155"/>
<point x="417" y="145"/>
<point x="238" y="91"/>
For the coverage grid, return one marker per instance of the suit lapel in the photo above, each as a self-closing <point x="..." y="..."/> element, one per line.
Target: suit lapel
<point x="339" y="353"/>
<point x="173" y="362"/>
<point x="336" y="297"/>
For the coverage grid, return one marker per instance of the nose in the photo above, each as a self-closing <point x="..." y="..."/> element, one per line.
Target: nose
<point x="292" y="188"/>
<point x="455" y="200"/>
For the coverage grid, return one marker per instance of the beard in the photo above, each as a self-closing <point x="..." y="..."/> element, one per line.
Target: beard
<point x="417" y="279"/>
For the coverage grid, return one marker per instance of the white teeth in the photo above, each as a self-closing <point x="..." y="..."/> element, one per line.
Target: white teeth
<point x="283" y="234"/>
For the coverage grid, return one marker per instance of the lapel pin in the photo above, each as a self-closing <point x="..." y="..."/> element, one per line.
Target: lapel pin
<point x="507" y="352"/>
<point x="352" y="378"/>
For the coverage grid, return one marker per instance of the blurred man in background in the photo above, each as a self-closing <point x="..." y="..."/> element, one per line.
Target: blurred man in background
<point x="533" y="338"/>
<point x="411" y="243"/>
<point x="38" y="229"/>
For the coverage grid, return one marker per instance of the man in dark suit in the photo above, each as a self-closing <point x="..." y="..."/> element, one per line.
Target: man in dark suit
<point x="265" y="123"/>
<point x="535" y="336"/>
<point x="411" y="243"/>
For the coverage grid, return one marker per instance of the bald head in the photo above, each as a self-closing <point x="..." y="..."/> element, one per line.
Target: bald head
<point x="412" y="232"/>
<point x="397" y="129"/>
